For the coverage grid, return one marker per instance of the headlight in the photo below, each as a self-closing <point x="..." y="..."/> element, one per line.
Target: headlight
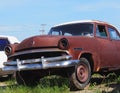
<point x="10" y="49"/>
<point x="63" y="44"/>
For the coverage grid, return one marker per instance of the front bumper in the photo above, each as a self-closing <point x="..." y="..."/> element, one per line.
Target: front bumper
<point x="40" y="63"/>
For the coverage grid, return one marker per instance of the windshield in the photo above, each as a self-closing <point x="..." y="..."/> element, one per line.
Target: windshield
<point x="81" y="29"/>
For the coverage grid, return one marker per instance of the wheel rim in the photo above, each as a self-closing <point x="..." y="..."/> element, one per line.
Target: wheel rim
<point x="82" y="73"/>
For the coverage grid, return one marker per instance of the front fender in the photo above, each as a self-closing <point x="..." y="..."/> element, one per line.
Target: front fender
<point x="95" y="59"/>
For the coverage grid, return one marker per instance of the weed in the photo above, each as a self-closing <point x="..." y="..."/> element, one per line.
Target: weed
<point x="56" y="84"/>
<point x="48" y="84"/>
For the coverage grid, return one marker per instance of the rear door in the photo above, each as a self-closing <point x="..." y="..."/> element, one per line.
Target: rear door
<point x="106" y="48"/>
<point x="115" y="38"/>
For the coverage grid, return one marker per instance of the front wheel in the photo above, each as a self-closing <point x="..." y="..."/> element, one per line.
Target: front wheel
<point x="81" y="76"/>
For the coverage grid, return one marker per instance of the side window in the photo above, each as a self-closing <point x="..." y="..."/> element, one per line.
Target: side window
<point x="101" y="31"/>
<point x="56" y="33"/>
<point x="3" y="43"/>
<point x="113" y="33"/>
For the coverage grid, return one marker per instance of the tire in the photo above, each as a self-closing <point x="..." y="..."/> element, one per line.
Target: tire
<point x="81" y="76"/>
<point x="26" y="78"/>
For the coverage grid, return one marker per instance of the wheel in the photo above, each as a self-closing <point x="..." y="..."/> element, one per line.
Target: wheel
<point x="26" y="78"/>
<point x="81" y="76"/>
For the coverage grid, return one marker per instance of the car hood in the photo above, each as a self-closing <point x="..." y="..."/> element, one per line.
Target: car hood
<point x="39" y="42"/>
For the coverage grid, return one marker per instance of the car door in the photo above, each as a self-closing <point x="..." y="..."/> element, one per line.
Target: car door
<point x="115" y="38"/>
<point x="106" y="48"/>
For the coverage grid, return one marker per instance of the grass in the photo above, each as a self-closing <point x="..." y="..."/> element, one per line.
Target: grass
<point x="106" y="84"/>
<point x="37" y="89"/>
<point x="56" y="84"/>
<point x="50" y="84"/>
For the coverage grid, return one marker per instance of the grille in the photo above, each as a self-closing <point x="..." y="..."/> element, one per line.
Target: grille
<point x="38" y="55"/>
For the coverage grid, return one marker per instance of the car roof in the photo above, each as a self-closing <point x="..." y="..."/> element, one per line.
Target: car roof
<point x="81" y="21"/>
<point x="11" y="39"/>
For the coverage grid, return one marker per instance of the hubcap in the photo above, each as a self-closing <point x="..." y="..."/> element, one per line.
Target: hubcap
<point x="82" y="73"/>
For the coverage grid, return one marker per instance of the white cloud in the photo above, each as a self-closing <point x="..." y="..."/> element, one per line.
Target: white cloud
<point x="20" y="31"/>
<point x="6" y="28"/>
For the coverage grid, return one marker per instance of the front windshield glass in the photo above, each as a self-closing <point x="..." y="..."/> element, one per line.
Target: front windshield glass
<point x="81" y="29"/>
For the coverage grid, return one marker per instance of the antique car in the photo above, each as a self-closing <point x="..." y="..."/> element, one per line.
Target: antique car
<point x="4" y="41"/>
<point x="74" y="49"/>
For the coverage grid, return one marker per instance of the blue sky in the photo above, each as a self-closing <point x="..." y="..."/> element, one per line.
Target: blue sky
<point x="23" y="18"/>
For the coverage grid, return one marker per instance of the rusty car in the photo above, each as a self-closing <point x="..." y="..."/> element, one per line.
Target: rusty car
<point x="73" y="49"/>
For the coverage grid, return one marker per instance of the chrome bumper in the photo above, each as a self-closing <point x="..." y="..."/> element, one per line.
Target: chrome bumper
<point x="40" y="63"/>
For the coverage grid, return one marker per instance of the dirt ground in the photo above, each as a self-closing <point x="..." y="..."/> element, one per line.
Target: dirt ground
<point x="97" y="86"/>
<point x="112" y="88"/>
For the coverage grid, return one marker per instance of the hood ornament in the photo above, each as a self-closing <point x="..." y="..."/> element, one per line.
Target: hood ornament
<point x="32" y="43"/>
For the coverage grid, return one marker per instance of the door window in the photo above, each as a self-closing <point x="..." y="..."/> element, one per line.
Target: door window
<point x="101" y="31"/>
<point x="113" y="33"/>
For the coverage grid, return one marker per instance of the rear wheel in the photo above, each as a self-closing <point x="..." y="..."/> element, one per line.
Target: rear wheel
<point x="26" y="78"/>
<point x="81" y="76"/>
